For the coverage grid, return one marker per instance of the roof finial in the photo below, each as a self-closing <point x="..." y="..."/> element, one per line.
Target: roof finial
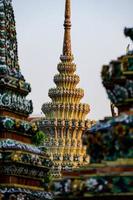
<point x="67" y="52"/>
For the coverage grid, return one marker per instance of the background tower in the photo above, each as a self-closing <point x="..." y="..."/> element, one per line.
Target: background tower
<point x="65" y="114"/>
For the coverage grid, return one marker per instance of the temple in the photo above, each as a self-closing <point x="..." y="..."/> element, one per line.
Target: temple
<point x="64" y="121"/>
<point x="95" y="159"/>
<point x="23" y="166"/>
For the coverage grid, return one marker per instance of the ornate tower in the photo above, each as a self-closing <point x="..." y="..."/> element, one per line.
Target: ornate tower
<point x="23" y="166"/>
<point x="65" y="114"/>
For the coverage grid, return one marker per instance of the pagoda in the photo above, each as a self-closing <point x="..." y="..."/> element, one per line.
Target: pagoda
<point x="109" y="142"/>
<point x="64" y="121"/>
<point x="23" y="166"/>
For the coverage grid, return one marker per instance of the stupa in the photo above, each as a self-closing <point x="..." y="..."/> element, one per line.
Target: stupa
<point x="64" y="121"/>
<point x="23" y="166"/>
<point x="109" y="142"/>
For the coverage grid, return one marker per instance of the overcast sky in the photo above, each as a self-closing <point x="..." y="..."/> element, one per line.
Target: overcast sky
<point x="97" y="38"/>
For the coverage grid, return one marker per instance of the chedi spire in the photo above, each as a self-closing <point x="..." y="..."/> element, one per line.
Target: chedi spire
<point x="65" y="114"/>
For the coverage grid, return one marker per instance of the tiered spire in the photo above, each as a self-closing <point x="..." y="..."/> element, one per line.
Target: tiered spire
<point x="65" y="115"/>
